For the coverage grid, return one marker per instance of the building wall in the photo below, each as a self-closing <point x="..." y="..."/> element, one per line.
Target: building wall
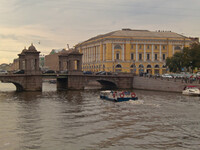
<point x="99" y="55"/>
<point x="52" y="62"/>
<point x="15" y="65"/>
<point x="143" y="83"/>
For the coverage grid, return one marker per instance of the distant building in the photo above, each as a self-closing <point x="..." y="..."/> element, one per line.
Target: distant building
<point x="5" y="66"/>
<point x="41" y="61"/>
<point x="51" y="61"/>
<point x="130" y="50"/>
<point x="15" y="65"/>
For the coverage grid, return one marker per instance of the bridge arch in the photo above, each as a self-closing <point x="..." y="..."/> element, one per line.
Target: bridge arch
<point x="19" y="87"/>
<point x="105" y="84"/>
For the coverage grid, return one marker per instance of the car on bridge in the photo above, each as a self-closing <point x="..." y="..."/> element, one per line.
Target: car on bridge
<point x="49" y="71"/>
<point x="19" y="72"/>
<point x="103" y="73"/>
<point x="64" y="72"/>
<point x="3" y="72"/>
<point x="87" y="72"/>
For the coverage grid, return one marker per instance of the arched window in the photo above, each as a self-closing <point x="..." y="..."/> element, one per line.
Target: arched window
<point x="164" y="66"/>
<point x="118" y="68"/>
<point x="103" y="67"/>
<point x="133" y="66"/>
<point x="141" y="66"/>
<point x="148" y="66"/>
<point x="156" y="66"/>
<point x="117" y="47"/>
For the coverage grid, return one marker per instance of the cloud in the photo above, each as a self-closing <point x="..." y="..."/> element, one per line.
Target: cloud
<point x="58" y="23"/>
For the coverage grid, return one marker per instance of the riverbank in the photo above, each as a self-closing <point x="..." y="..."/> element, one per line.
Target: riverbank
<point x="160" y="84"/>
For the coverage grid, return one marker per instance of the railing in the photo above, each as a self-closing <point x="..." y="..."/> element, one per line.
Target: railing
<point x="182" y="80"/>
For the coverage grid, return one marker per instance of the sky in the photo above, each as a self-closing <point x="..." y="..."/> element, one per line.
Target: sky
<point x="52" y="24"/>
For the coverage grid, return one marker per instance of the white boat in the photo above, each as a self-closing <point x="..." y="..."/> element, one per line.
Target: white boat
<point x="118" y="96"/>
<point x="191" y="90"/>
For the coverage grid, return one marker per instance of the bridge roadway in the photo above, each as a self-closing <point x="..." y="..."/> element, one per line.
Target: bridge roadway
<point x="72" y="81"/>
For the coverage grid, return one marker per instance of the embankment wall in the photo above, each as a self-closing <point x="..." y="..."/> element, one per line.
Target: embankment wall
<point x="145" y="83"/>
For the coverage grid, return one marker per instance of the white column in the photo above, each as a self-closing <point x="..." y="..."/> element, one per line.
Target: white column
<point x="113" y="57"/>
<point x="173" y="50"/>
<point x="84" y="55"/>
<point x="123" y="52"/>
<point x="160" y="53"/>
<point x="93" y="54"/>
<point x="89" y="54"/>
<point x="152" y="52"/>
<point x="91" y="49"/>
<point x="136" y="54"/>
<point x="83" y="50"/>
<point x="99" y="53"/>
<point x="144" y="52"/>
<point x="103" y="53"/>
<point x="96" y="53"/>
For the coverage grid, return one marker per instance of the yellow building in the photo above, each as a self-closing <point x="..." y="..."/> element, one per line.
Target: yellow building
<point x="129" y="50"/>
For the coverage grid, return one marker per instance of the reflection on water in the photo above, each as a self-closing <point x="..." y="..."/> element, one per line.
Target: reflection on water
<point x="81" y="120"/>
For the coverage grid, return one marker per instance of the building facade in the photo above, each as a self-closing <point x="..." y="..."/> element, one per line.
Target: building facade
<point x="51" y="61"/>
<point x="133" y="51"/>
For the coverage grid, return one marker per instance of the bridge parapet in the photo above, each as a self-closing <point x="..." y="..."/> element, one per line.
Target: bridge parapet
<point x="78" y="82"/>
<point x="24" y="82"/>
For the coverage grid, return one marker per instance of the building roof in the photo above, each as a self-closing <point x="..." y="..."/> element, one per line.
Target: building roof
<point x="69" y="52"/>
<point x="130" y="33"/>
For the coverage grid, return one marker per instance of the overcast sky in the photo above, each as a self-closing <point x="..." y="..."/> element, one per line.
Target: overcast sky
<point x="56" y="23"/>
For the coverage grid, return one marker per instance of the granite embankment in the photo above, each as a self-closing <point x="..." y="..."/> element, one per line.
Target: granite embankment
<point x="158" y="84"/>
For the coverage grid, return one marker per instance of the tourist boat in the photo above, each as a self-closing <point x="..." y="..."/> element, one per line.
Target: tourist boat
<point x="118" y="96"/>
<point x="191" y="90"/>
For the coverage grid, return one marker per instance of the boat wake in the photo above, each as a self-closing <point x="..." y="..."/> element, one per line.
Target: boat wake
<point x="137" y="102"/>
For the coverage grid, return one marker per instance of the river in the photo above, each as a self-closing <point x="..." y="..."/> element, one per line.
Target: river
<point x="80" y="120"/>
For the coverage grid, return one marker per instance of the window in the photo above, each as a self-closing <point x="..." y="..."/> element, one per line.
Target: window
<point x="118" y="68"/>
<point x="163" y="47"/>
<point x="132" y="46"/>
<point x="163" y="56"/>
<point x="140" y="56"/>
<point x="148" y="47"/>
<point x="132" y="56"/>
<point x="148" y="66"/>
<point x="156" y="56"/>
<point x="177" y="48"/>
<point x="117" y="55"/>
<point x="148" y="56"/>
<point x="117" y="46"/>
<point x="104" y="46"/>
<point x="140" y="46"/>
<point x="156" y="47"/>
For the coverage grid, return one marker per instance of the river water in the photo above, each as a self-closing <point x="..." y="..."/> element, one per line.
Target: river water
<point x="80" y="120"/>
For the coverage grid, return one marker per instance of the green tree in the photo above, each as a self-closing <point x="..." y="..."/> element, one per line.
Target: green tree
<point x="188" y="58"/>
<point x="175" y="63"/>
<point x="195" y="56"/>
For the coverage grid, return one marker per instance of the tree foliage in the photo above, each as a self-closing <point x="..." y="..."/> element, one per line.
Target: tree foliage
<point x="188" y="58"/>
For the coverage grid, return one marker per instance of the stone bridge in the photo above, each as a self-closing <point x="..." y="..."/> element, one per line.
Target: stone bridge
<point x="24" y="82"/>
<point x="78" y="82"/>
<point x="31" y="79"/>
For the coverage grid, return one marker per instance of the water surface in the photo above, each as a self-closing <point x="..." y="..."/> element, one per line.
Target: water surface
<point x="75" y="120"/>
